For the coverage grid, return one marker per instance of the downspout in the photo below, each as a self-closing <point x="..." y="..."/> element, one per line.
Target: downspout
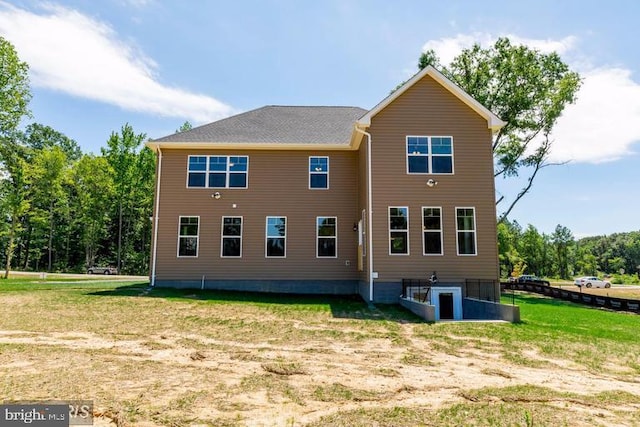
<point x="369" y="210"/>
<point x="155" y="225"/>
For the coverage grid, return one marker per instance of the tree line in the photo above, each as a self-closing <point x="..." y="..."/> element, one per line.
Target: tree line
<point x="61" y="209"/>
<point x="66" y="211"/>
<point x="560" y="255"/>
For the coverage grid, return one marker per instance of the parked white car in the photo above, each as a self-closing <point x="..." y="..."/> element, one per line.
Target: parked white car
<point x="102" y="270"/>
<point x="592" y="281"/>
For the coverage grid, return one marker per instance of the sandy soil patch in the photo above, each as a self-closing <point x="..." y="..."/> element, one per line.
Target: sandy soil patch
<point x="218" y="379"/>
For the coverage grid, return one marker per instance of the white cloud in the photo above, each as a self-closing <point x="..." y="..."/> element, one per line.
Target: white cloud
<point x="73" y="53"/>
<point x="447" y="48"/>
<point x="602" y="125"/>
<point x="605" y="121"/>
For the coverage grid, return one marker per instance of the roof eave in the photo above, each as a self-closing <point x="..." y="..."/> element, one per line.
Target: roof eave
<point x="174" y="145"/>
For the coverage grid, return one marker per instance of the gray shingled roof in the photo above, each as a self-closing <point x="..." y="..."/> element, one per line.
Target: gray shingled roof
<point x="278" y="124"/>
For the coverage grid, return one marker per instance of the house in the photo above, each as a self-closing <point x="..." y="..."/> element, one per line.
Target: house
<point x="335" y="200"/>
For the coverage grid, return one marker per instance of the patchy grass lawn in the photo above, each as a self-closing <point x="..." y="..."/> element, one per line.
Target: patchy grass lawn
<point x="185" y="357"/>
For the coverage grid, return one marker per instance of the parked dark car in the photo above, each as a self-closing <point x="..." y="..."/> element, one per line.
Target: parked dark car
<point x="102" y="270"/>
<point x="528" y="278"/>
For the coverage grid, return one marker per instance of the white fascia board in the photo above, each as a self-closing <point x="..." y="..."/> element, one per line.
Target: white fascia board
<point x="153" y="145"/>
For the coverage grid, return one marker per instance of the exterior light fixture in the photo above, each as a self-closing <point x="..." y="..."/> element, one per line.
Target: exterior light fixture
<point x="432" y="183"/>
<point x="216" y="195"/>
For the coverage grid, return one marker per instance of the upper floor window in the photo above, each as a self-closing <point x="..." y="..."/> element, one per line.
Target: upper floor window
<point x="319" y="172"/>
<point x="218" y="171"/>
<point x="429" y="154"/>
<point x="399" y="230"/>
<point x="276" y="242"/>
<point x="327" y="236"/>
<point x="466" y="231"/>
<point x="232" y="236"/>
<point x="432" y="231"/>
<point x="188" y="230"/>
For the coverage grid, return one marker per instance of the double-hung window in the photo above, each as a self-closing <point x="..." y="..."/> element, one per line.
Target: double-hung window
<point x="276" y="237"/>
<point x="466" y="231"/>
<point x="231" y="236"/>
<point x="399" y="230"/>
<point x="318" y="173"/>
<point x="327" y="237"/>
<point x="217" y="171"/>
<point x="429" y="154"/>
<point x="188" y="231"/>
<point x="432" y="231"/>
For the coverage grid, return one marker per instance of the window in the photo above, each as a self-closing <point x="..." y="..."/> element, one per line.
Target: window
<point x="231" y="236"/>
<point x="197" y="176"/>
<point x="217" y="171"/>
<point x="466" y="230"/>
<point x="327" y="237"/>
<point x="276" y="245"/>
<point x="399" y="230"/>
<point x="432" y="231"/>
<point x="429" y="154"/>
<point x="188" y="236"/>
<point x="319" y="172"/>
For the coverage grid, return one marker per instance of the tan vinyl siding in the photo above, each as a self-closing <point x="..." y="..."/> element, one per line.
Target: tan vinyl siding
<point x="428" y="109"/>
<point x="278" y="184"/>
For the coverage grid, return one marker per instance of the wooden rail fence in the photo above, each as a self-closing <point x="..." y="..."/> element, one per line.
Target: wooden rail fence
<point x="612" y="303"/>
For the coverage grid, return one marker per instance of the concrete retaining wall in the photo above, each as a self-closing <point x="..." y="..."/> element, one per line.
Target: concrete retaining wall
<point x="488" y="310"/>
<point x="425" y="311"/>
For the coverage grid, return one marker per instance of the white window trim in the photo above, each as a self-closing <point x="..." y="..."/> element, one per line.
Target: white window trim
<point x="180" y="236"/>
<point x="335" y="237"/>
<point x="266" y="235"/>
<point x="396" y="231"/>
<point x="475" y="231"/>
<point x="433" y="231"/>
<point x="222" y="236"/>
<point x="429" y="155"/>
<point x="318" y="173"/>
<point x="207" y="171"/>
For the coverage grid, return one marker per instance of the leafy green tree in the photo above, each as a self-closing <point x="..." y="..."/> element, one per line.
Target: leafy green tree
<point x="92" y="178"/>
<point x="562" y="239"/>
<point x="15" y="95"/>
<point x="144" y="192"/>
<point x="121" y="153"/>
<point x="14" y="202"/>
<point x="524" y="87"/>
<point x="586" y="263"/>
<point x="508" y="255"/>
<point x="616" y="264"/>
<point x="532" y="248"/>
<point x="37" y="137"/>
<point x="184" y="127"/>
<point x="47" y="174"/>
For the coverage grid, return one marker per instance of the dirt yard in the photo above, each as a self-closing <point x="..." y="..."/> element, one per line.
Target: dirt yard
<point x="158" y="361"/>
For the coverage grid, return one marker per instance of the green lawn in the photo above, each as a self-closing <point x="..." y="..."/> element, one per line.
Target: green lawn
<point x="185" y="357"/>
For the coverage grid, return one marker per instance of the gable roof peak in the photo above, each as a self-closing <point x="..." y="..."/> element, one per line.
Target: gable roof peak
<point x="493" y="122"/>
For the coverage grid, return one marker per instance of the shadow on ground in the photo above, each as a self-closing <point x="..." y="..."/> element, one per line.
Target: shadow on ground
<point x="341" y="306"/>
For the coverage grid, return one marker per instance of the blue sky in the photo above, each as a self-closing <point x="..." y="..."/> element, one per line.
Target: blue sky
<point x="96" y="65"/>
